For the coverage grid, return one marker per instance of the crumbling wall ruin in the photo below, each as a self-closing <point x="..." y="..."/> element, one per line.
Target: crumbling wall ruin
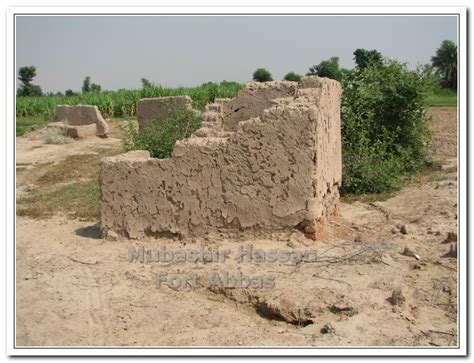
<point x="251" y="101"/>
<point x="79" y="115"/>
<point x="279" y="168"/>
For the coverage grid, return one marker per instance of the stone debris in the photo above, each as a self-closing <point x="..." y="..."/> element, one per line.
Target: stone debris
<point x="328" y="329"/>
<point x="409" y="253"/>
<point x="285" y="309"/>
<point x="397" y="297"/>
<point x="111" y="236"/>
<point x="407" y="229"/>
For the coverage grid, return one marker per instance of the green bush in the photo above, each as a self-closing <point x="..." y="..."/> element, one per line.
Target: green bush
<point x="384" y="131"/>
<point x="262" y="75"/>
<point x="160" y="136"/>
<point x="327" y="68"/>
<point x="292" y="76"/>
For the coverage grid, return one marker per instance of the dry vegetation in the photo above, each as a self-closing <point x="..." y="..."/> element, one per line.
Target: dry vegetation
<point x="68" y="186"/>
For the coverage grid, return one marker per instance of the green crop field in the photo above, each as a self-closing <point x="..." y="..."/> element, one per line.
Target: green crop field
<point x="28" y="123"/>
<point x="36" y="111"/>
<point x="123" y="103"/>
<point x="444" y="97"/>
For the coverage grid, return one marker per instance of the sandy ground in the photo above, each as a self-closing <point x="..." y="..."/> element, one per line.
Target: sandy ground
<point x="76" y="289"/>
<point x="30" y="150"/>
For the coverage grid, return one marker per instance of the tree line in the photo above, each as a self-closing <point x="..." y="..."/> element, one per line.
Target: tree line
<point x="442" y="70"/>
<point x="28" y="89"/>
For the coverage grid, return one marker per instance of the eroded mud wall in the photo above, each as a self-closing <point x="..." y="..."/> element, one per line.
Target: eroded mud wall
<point x="279" y="168"/>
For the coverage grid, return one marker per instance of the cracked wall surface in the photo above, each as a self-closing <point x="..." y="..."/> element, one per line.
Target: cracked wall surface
<point x="270" y="158"/>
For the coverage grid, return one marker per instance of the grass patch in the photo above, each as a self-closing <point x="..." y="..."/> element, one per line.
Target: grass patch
<point x="76" y="196"/>
<point x="444" y="97"/>
<point x="77" y="200"/>
<point x="434" y="173"/>
<point x="56" y="136"/>
<point x="75" y="167"/>
<point x="29" y="123"/>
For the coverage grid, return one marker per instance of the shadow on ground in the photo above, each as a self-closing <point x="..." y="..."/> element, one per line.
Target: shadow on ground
<point x="92" y="231"/>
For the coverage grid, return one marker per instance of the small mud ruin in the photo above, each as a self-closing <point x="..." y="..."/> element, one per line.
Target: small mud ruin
<point x="269" y="158"/>
<point x="66" y="117"/>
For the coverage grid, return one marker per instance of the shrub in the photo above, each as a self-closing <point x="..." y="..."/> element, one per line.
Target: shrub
<point x="384" y="131"/>
<point x="29" y="90"/>
<point x="431" y="78"/>
<point x="160" y="136"/>
<point x="327" y="68"/>
<point x="292" y="76"/>
<point x="262" y="75"/>
<point x="56" y="135"/>
<point x="69" y="93"/>
<point x="365" y="58"/>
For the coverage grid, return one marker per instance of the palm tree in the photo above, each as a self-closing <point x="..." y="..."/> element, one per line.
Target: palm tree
<point x="446" y="63"/>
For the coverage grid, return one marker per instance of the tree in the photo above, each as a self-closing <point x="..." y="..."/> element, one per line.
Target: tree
<point x="26" y="74"/>
<point x="208" y="84"/>
<point x="27" y="89"/>
<point x="225" y="83"/>
<point x="69" y="93"/>
<point x="363" y="58"/>
<point x="52" y="94"/>
<point x="428" y="74"/>
<point x="292" y="76"/>
<point x="95" y="87"/>
<point x="87" y="86"/>
<point x="262" y="75"/>
<point x="146" y="83"/>
<point x="327" y="68"/>
<point x="446" y="63"/>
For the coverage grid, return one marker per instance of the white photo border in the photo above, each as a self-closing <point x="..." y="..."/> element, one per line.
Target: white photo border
<point x="10" y="142"/>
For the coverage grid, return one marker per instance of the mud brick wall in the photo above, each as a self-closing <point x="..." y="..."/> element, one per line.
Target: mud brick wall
<point x="276" y="169"/>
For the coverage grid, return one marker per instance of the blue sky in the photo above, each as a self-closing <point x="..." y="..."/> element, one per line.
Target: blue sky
<point x="117" y="51"/>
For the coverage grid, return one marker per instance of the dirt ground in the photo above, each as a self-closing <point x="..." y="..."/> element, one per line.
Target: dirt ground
<point x="382" y="275"/>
